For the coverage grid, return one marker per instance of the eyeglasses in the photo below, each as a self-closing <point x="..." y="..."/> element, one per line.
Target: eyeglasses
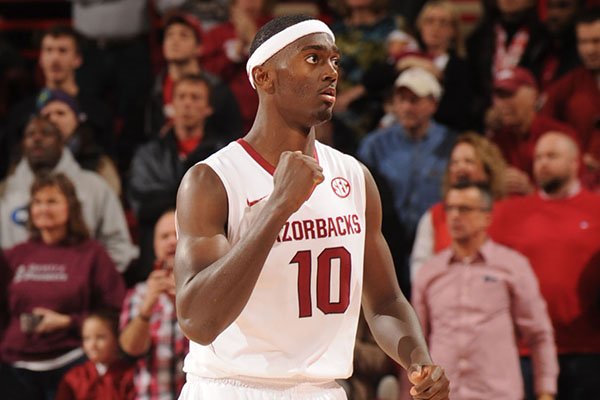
<point x="462" y="209"/>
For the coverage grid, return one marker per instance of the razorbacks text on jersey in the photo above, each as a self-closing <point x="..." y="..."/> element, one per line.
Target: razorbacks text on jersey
<point x="300" y="321"/>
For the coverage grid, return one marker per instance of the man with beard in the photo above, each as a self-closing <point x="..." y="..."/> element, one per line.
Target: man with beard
<point x="558" y="230"/>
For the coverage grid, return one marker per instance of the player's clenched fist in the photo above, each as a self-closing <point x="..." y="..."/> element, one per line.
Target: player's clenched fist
<point x="429" y="382"/>
<point x="295" y="178"/>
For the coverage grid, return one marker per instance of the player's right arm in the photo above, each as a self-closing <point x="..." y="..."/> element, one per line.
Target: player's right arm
<point x="214" y="279"/>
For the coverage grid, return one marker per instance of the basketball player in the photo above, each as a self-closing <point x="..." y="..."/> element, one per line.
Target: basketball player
<point x="274" y="231"/>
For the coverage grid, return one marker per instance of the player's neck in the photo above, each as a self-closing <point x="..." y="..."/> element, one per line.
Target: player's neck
<point x="271" y="137"/>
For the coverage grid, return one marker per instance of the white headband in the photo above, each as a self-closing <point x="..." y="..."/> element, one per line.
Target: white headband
<point x="281" y="39"/>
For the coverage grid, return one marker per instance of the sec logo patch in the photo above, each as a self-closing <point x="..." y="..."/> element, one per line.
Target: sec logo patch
<point x="340" y="186"/>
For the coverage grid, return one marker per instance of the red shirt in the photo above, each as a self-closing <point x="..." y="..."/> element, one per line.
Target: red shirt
<point x="518" y="150"/>
<point x="215" y="60"/>
<point x="83" y="383"/>
<point x="441" y="238"/>
<point x="561" y="239"/>
<point x="575" y="100"/>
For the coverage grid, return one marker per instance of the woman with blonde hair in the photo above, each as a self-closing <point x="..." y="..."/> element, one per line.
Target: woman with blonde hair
<point x="57" y="277"/>
<point x="473" y="159"/>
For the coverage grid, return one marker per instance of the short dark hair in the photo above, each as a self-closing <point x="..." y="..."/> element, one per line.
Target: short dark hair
<point x="109" y="316"/>
<point x="275" y="26"/>
<point x="482" y="187"/>
<point x="187" y="19"/>
<point x="63" y="30"/>
<point x="588" y="16"/>
<point x="195" y="78"/>
<point x="77" y="230"/>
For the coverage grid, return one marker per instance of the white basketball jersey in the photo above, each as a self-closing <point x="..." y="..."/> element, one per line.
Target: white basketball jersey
<point x="301" y="318"/>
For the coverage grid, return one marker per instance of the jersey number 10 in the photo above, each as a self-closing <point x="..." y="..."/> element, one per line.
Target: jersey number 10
<point x="324" y="264"/>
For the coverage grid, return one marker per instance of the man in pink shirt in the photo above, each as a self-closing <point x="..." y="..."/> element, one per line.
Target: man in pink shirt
<point x="475" y="299"/>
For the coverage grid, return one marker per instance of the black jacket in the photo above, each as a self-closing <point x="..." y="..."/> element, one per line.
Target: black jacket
<point x="155" y="173"/>
<point x="481" y="47"/>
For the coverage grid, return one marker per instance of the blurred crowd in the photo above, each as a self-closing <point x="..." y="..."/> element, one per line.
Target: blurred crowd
<point x="484" y="141"/>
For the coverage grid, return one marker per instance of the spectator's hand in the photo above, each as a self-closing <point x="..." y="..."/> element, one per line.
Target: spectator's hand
<point x="545" y="396"/>
<point x="51" y="320"/>
<point x="429" y="382"/>
<point x="517" y="181"/>
<point x="159" y="281"/>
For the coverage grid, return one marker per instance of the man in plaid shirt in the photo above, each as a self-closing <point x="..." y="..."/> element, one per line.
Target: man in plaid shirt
<point x="149" y="328"/>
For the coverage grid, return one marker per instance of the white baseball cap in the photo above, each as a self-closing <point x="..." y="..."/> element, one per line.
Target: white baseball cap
<point x="421" y="82"/>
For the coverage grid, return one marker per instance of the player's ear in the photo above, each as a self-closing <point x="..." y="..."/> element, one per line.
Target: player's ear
<point x="263" y="78"/>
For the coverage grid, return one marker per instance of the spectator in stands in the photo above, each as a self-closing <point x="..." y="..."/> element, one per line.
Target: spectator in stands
<point x="515" y="125"/>
<point x="182" y="46"/>
<point x="158" y="166"/>
<point x="476" y="299"/>
<point x="508" y="35"/>
<point x="473" y="159"/>
<point x="105" y="375"/>
<point x="60" y="57"/>
<point x="561" y="56"/>
<point x="225" y="52"/>
<point x="360" y="32"/>
<point x="63" y="111"/>
<point x="438" y="25"/>
<point x="149" y="323"/>
<point x="378" y="80"/>
<point x="558" y="230"/>
<point x="575" y="98"/>
<point x="409" y="159"/>
<point x="58" y="276"/>
<point x="43" y="150"/>
<point x="116" y="60"/>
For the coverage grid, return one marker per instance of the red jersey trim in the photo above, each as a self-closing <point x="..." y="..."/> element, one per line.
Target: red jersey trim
<point x="256" y="156"/>
<point x="259" y="159"/>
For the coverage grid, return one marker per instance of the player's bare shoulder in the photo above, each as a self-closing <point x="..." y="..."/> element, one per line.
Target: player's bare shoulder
<point x="201" y="200"/>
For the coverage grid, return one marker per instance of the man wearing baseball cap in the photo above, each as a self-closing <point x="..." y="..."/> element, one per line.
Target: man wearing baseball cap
<point x="514" y="124"/>
<point x="410" y="158"/>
